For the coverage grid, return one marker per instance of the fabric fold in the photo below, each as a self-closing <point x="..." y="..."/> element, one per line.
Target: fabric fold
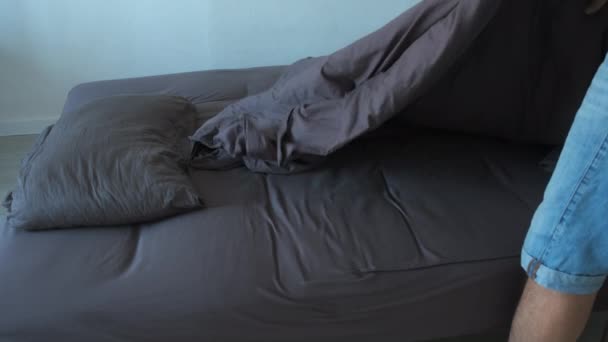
<point x="321" y="104"/>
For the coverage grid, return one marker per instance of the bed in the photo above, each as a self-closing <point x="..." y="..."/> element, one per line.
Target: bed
<point x="418" y="239"/>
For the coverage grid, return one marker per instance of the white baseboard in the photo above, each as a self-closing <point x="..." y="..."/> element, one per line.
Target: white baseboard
<point x="33" y="126"/>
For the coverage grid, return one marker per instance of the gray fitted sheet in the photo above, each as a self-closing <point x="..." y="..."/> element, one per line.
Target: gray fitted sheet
<point x="399" y="237"/>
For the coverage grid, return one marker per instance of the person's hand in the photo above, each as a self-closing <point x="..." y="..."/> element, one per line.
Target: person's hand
<point x="595" y="5"/>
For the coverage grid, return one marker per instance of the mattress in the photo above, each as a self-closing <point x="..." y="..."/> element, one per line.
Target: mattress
<point x="408" y="234"/>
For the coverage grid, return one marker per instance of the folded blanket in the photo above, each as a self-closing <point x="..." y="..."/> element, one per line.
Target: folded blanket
<point x="321" y="104"/>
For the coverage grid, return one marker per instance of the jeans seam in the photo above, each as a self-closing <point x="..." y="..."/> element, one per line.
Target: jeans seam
<point x="536" y="264"/>
<point x="559" y="228"/>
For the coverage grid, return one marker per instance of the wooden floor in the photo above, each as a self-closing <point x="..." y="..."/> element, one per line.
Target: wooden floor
<point x="12" y="150"/>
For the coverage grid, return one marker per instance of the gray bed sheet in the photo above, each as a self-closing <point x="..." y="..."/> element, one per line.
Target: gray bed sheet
<point x="398" y="237"/>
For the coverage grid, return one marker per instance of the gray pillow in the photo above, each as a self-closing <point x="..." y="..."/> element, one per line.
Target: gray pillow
<point x="114" y="161"/>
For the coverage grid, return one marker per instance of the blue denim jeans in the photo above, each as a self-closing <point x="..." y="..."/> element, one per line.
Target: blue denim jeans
<point x="567" y="246"/>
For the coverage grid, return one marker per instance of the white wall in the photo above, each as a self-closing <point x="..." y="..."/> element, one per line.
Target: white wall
<point x="48" y="46"/>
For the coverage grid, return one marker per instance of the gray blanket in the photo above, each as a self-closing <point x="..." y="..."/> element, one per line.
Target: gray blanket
<point x="479" y="66"/>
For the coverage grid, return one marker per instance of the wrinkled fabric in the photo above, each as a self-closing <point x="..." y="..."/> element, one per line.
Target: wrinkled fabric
<point x="511" y="69"/>
<point x="321" y="104"/>
<point x="113" y="161"/>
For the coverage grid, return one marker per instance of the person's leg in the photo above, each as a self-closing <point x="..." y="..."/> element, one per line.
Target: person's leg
<point x="566" y="251"/>
<point x="547" y="315"/>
